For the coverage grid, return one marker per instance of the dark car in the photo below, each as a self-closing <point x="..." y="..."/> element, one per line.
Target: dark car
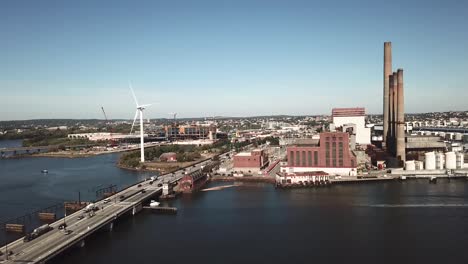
<point x="62" y="226"/>
<point x="159" y="185"/>
<point x="139" y="185"/>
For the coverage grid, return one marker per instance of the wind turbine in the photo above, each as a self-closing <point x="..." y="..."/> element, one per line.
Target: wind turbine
<point x="139" y="110"/>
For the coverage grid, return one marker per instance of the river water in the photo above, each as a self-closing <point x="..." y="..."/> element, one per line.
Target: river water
<point x="392" y="222"/>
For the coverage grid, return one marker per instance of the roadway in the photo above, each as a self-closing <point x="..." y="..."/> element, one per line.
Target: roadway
<point x="81" y="224"/>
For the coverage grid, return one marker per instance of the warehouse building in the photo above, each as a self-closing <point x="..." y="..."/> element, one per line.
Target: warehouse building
<point x="331" y="155"/>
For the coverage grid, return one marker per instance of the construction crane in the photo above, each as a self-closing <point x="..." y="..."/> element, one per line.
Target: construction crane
<point x="110" y="128"/>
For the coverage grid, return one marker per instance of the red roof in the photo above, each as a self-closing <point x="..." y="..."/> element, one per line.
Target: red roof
<point x="343" y="112"/>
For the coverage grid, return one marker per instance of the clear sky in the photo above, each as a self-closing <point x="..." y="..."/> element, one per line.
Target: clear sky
<point x="66" y="59"/>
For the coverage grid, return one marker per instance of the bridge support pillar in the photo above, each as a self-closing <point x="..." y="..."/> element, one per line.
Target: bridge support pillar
<point x="136" y="208"/>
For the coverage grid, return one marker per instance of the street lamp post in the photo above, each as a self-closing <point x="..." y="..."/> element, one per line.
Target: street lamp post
<point x="65" y="216"/>
<point x="6" y="243"/>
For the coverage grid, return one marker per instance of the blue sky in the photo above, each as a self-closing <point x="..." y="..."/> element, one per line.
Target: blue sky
<point x="66" y="59"/>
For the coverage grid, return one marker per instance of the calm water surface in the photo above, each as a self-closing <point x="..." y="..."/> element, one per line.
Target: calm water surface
<point x="393" y="222"/>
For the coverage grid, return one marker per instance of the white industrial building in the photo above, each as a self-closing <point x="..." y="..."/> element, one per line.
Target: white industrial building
<point x="344" y="117"/>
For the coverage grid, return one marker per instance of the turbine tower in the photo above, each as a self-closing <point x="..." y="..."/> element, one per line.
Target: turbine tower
<point x="139" y="111"/>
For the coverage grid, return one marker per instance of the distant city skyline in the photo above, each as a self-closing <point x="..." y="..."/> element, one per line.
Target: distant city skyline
<point x="226" y="58"/>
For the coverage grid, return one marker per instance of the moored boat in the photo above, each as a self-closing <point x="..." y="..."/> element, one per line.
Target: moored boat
<point x="154" y="203"/>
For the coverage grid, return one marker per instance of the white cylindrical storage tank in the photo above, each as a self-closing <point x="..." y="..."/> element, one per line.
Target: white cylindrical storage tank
<point x="374" y="138"/>
<point x="450" y="160"/>
<point x="427" y="133"/>
<point x="434" y="133"/>
<point x="430" y="161"/>
<point x="458" y="136"/>
<point x="442" y="134"/>
<point x="440" y="160"/>
<point x="460" y="160"/>
<point x="410" y="165"/>
<point x="380" y="138"/>
<point x="419" y="165"/>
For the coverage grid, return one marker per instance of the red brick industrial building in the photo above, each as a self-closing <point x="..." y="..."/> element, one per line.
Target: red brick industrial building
<point x="250" y="162"/>
<point x="331" y="155"/>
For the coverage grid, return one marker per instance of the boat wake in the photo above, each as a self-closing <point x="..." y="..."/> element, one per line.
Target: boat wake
<point x="415" y="205"/>
<point x="218" y="188"/>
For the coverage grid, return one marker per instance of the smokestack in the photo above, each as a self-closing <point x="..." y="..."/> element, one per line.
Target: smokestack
<point x="400" y="150"/>
<point x="394" y="113"/>
<point x="391" y="129"/>
<point x="387" y="72"/>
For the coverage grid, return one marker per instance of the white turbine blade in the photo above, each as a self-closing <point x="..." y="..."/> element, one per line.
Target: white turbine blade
<point x="133" y="93"/>
<point x="134" y="119"/>
<point x="145" y="105"/>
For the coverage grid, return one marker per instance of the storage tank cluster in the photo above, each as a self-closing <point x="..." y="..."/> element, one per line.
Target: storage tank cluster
<point x="412" y="165"/>
<point x="439" y="161"/>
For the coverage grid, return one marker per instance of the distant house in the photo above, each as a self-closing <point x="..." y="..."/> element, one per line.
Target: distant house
<point x="168" y="157"/>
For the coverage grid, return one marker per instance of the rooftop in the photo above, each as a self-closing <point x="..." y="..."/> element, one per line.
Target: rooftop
<point x="243" y="154"/>
<point x="345" y="112"/>
<point x="309" y="173"/>
<point x="306" y="142"/>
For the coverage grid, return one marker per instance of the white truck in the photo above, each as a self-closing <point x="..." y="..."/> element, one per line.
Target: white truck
<point x="90" y="207"/>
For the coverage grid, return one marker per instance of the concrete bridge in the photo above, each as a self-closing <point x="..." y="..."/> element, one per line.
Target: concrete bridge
<point x="126" y="202"/>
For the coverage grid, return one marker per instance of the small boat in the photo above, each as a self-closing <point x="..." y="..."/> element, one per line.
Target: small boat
<point x="433" y="179"/>
<point x="402" y="177"/>
<point x="154" y="203"/>
<point x="45" y="171"/>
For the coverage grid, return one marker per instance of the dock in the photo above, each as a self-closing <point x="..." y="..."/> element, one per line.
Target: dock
<point x="162" y="209"/>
